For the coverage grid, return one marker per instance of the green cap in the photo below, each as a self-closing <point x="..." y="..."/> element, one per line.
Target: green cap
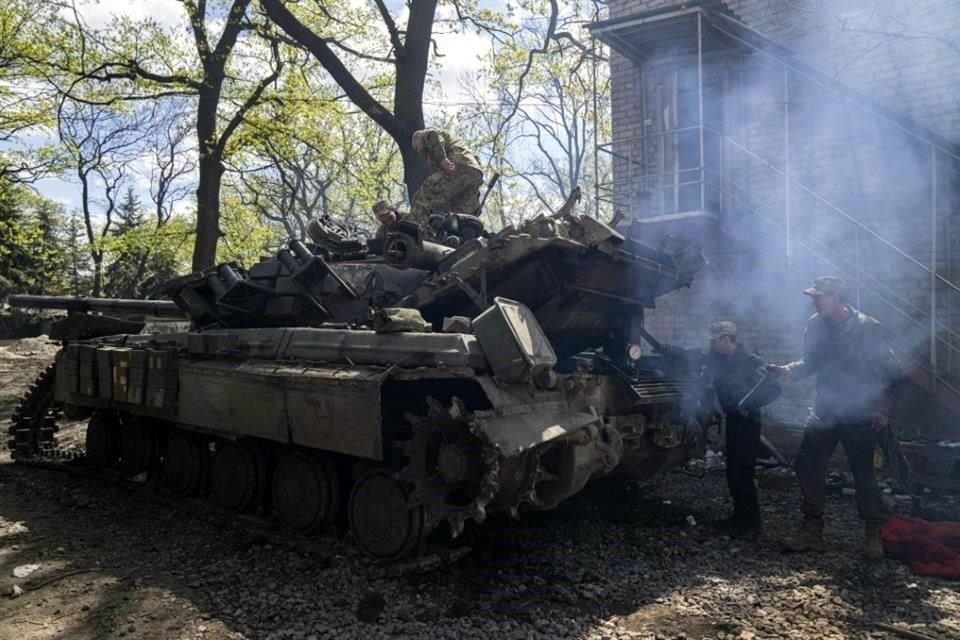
<point x="723" y="328"/>
<point x="826" y="286"/>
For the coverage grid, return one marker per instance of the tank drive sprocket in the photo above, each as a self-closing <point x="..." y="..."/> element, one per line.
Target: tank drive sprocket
<point x="452" y="468"/>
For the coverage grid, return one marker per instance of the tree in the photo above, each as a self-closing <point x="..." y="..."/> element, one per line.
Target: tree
<point x="142" y="255"/>
<point x="25" y="104"/>
<point x="30" y="230"/>
<point x="161" y="70"/>
<point x="76" y="257"/>
<point x="406" y="53"/>
<point x="542" y="121"/>
<point x="101" y="142"/>
<point x="316" y="159"/>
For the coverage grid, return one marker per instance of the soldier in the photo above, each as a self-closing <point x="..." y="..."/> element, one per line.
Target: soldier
<point x="855" y="366"/>
<point x="387" y="215"/>
<point x="455" y="182"/>
<point x="735" y="374"/>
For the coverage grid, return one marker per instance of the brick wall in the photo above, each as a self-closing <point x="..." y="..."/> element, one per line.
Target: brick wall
<point x="851" y="162"/>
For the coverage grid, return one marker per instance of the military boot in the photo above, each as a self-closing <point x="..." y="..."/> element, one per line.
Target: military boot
<point x="808" y="538"/>
<point x="872" y="543"/>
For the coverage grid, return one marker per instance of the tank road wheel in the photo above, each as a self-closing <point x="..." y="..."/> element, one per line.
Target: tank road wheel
<point x="137" y="447"/>
<point x="103" y="440"/>
<point x="452" y="468"/>
<point x="384" y="524"/>
<point x="306" y="491"/>
<point x="234" y="476"/>
<point x="183" y="462"/>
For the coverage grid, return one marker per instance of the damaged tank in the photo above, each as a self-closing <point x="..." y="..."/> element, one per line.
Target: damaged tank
<point x="396" y="386"/>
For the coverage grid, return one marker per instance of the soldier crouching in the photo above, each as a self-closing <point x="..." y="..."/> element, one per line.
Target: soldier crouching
<point x="455" y="182"/>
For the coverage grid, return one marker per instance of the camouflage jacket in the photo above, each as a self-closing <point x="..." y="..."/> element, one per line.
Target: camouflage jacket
<point x="439" y="144"/>
<point x="854" y="364"/>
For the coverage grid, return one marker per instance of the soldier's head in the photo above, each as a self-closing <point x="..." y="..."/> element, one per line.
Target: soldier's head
<point x="723" y="337"/>
<point x="418" y="140"/>
<point x="828" y="296"/>
<point x="385" y="212"/>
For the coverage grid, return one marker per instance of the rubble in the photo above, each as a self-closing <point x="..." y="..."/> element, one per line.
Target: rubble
<point x="24" y="570"/>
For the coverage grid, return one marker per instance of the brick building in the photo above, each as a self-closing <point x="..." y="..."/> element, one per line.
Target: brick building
<point x="793" y="139"/>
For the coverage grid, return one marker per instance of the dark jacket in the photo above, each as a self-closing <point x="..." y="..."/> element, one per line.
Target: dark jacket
<point x="855" y="366"/>
<point x="734" y="376"/>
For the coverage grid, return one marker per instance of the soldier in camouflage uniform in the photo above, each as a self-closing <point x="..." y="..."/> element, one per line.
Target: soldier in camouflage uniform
<point x="455" y="182"/>
<point x="388" y="216"/>
<point x="855" y="366"/>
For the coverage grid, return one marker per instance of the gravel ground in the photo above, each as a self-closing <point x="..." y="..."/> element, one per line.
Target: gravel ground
<point x="608" y="564"/>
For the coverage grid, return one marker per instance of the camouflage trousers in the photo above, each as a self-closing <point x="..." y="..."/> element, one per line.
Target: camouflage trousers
<point x="441" y="191"/>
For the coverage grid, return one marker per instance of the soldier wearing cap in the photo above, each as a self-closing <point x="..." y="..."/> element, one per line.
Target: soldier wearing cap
<point x="387" y="215"/>
<point x="855" y="366"/>
<point x="455" y="182"/>
<point x="735" y="372"/>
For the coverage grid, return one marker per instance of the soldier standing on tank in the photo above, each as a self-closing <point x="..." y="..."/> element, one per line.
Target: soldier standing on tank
<point x="742" y="390"/>
<point x="855" y="366"/>
<point x="455" y="182"/>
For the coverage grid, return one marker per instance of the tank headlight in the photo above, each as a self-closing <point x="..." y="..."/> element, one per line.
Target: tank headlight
<point x="634" y="351"/>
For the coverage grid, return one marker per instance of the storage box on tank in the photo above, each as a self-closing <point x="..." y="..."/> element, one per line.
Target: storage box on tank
<point x="513" y="341"/>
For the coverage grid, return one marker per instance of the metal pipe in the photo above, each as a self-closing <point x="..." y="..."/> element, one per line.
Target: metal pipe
<point x="703" y="195"/>
<point x="933" y="269"/>
<point x="596" y="120"/>
<point x="786" y="165"/>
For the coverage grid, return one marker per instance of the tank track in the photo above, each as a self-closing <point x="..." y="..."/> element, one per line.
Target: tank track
<point x="33" y="426"/>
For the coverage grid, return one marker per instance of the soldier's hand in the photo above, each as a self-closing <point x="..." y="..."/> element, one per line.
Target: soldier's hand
<point x="777" y="371"/>
<point x="448" y="165"/>
<point x="880" y="421"/>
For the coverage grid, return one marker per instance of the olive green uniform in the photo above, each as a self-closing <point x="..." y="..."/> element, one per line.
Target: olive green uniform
<point x="458" y="191"/>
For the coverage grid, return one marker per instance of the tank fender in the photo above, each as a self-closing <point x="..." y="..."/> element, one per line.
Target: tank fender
<point x="522" y="419"/>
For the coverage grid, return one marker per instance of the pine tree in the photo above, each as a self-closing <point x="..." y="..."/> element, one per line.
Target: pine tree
<point x="128" y="248"/>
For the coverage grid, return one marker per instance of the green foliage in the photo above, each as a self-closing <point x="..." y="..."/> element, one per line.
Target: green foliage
<point x="31" y="235"/>
<point x="141" y="256"/>
<point x="27" y="104"/>
<point x="247" y="237"/>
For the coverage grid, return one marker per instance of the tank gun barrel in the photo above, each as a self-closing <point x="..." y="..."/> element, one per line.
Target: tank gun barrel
<point x="111" y="306"/>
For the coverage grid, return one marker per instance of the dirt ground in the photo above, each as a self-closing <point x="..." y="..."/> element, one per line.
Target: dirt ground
<point x="114" y="560"/>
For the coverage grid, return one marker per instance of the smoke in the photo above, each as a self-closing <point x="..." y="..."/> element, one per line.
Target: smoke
<point x="809" y="176"/>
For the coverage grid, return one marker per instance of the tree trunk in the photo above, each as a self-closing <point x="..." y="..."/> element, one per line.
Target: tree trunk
<point x="415" y="168"/>
<point x="97" y="273"/>
<point x="410" y="79"/>
<point x="210" y="170"/>
<point x="408" y="90"/>
<point x="208" y="211"/>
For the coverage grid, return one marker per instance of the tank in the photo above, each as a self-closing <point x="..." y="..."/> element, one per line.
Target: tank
<point x="398" y="387"/>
